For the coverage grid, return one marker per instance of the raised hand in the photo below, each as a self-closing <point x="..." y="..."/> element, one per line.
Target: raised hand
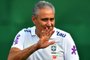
<point x="44" y="38"/>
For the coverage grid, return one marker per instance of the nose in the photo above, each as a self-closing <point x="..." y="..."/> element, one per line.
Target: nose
<point x="48" y="23"/>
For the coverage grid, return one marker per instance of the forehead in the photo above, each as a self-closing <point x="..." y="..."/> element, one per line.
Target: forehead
<point x="46" y="12"/>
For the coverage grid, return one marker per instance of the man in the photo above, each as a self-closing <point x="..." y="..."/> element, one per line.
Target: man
<point x="43" y="41"/>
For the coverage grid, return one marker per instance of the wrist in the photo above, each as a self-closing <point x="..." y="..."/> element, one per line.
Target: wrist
<point x="37" y="46"/>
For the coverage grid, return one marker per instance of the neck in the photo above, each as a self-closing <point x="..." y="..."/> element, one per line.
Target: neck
<point x="37" y="32"/>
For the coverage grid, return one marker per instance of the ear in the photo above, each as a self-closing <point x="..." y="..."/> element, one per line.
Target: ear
<point x="34" y="19"/>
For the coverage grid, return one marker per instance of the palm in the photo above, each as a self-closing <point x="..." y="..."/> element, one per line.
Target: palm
<point x="44" y="39"/>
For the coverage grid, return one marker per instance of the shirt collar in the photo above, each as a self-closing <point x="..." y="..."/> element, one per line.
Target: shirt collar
<point x="33" y="30"/>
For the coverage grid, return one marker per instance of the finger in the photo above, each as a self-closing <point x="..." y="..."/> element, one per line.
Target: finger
<point x="51" y="42"/>
<point x="50" y="30"/>
<point x="50" y="33"/>
<point x="42" y="31"/>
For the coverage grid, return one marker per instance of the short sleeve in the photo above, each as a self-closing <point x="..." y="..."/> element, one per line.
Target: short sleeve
<point x="70" y="48"/>
<point x="19" y="39"/>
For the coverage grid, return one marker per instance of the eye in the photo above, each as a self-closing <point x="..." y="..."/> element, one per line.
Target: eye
<point x="51" y="19"/>
<point x="44" y="19"/>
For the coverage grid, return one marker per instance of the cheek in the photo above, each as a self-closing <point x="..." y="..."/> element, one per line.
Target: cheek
<point x="39" y="24"/>
<point x="53" y="23"/>
<point x="42" y="23"/>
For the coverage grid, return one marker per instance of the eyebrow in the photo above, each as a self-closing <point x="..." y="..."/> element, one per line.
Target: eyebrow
<point x="47" y="18"/>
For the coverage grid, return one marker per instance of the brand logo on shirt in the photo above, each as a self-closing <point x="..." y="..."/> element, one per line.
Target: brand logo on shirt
<point x="17" y="38"/>
<point x="54" y="57"/>
<point x="73" y="50"/>
<point x="27" y="30"/>
<point x="60" y="34"/>
<point x="53" y="48"/>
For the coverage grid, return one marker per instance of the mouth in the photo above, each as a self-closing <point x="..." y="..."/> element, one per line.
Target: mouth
<point x="47" y="28"/>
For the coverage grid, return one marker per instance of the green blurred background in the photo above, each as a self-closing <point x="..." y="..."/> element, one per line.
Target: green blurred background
<point x="72" y="16"/>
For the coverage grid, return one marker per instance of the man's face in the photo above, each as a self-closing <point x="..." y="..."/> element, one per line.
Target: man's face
<point x="45" y="19"/>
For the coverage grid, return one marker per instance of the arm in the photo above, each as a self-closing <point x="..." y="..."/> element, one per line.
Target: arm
<point x="18" y="54"/>
<point x="70" y="49"/>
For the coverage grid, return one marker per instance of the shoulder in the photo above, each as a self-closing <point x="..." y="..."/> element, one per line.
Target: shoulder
<point x="61" y="33"/>
<point x="27" y="30"/>
<point x="65" y="36"/>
